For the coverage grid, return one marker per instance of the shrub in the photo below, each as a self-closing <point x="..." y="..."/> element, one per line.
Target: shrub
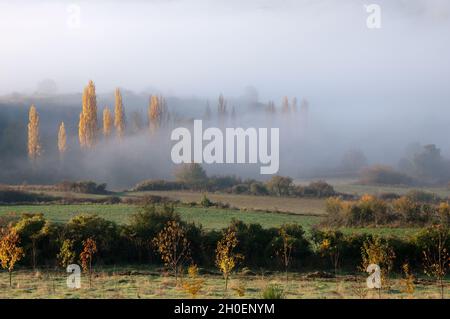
<point x="205" y="202"/>
<point x="240" y="189"/>
<point x="383" y="175"/>
<point x="13" y="196"/>
<point x="273" y="291"/>
<point x="193" y="175"/>
<point x="317" y="189"/>
<point x="86" y="187"/>
<point x="279" y="185"/>
<point x="422" y="196"/>
<point x="216" y="183"/>
<point x="257" y="188"/>
<point x="158" y="185"/>
<point x="104" y="232"/>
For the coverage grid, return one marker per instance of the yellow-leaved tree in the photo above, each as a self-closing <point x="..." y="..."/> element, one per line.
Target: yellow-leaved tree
<point x="107" y="122"/>
<point x="10" y="251"/>
<point x="119" y="114"/>
<point x="156" y="112"/>
<point x="62" y="140"/>
<point x="34" y="144"/>
<point x="88" y="126"/>
<point x="226" y="257"/>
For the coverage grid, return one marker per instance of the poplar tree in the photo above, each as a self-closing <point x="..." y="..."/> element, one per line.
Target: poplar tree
<point x="119" y="115"/>
<point x="88" y="126"/>
<point x="62" y="139"/>
<point x="154" y="113"/>
<point x="34" y="145"/>
<point x="107" y="122"/>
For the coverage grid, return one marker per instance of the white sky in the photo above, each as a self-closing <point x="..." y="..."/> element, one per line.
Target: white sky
<point x="202" y="47"/>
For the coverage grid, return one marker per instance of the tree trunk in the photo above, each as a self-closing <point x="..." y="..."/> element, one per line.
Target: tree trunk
<point x="10" y="278"/>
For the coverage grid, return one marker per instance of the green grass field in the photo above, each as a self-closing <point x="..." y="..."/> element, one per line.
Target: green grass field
<point x="210" y="218"/>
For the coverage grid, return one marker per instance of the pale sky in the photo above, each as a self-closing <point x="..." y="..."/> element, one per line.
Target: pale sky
<point x="201" y="47"/>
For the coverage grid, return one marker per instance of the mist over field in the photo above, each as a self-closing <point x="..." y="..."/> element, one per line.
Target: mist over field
<point x="380" y="92"/>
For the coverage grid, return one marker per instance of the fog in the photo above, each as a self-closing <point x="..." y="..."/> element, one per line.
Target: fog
<point x="377" y="90"/>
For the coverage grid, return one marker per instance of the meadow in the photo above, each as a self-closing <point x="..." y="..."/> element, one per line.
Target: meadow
<point x="147" y="282"/>
<point x="209" y="218"/>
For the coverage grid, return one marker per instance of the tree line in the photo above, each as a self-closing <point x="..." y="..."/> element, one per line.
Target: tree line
<point x="157" y="235"/>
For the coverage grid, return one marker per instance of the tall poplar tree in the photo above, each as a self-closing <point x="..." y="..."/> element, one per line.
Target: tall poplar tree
<point x="88" y="125"/>
<point x="119" y="115"/>
<point x="34" y="144"/>
<point x="62" y="139"/>
<point x="107" y="122"/>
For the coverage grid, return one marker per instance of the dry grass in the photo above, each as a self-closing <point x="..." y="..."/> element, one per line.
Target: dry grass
<point x="301" y="206"/>
<point x="109" y="283"/>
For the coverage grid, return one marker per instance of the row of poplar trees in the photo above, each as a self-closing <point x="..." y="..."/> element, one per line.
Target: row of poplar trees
<point x="88" y="128"/>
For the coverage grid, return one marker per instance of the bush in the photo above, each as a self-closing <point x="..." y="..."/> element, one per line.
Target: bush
<point x="279" y="185"/>
<point x="273" y="291"/>
<point x="240" y="189"/>
<point x="86" y="187"/>
<point x="257" y="188"/>
<point x="103" y="231"/>
<point x="205" y="202"/>
<point x="193" y="175"/>
<point x="12" y="197"/>
<point x="216" y="183"/>
<point x="384" y="175"/>
<point x="317" y="189"/>
<point x="422" y="196"/>
<point x="158" y="185"/>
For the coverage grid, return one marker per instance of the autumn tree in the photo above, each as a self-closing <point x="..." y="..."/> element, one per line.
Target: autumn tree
<point x="279" y="185"/>
<point x="376" y="250"/>
<point x="193" y="284"/>
<point x="156" y="112"/>
<point x="88" y="126"/>
<point x="34" y="144"/>
<point x="62" y="140"/>
<point x="87" y="255"/>
<point x="173" y="246"/>
<point x="285" y="251"/>
<point x="285" y="105"/>
<point x="119" y="115"/>
<point x="32" y="229"/>
<point x="434" y="242"/>
<point x="107" y="122"/>
<point x="10" y="251"/>
<point x="226" y="257"/>
<point x="67" y="254"/>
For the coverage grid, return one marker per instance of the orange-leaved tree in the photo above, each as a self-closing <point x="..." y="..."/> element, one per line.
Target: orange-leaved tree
<point x="10" y="251"/>
<point x="87" y="255"/>
<point x="173" y="246"/>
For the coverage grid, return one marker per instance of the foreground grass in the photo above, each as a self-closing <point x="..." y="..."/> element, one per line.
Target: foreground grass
<point x="135" y="282"/>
